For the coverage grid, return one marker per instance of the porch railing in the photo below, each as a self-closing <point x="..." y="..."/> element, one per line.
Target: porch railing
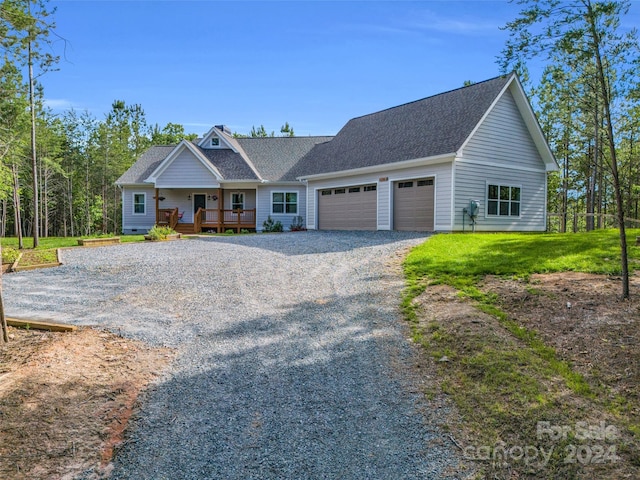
<point x="167" y="217"/>
<point x="223" y="219"/>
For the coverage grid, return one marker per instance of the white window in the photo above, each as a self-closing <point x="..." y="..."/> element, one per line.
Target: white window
<point x="139" y="203"/>
<point x="284" y="202"/>
<point x="503" y="200"/>
<point x="237" y="201"/>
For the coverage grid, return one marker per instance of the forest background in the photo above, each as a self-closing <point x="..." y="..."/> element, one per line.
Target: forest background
<point x="57" y="171"/>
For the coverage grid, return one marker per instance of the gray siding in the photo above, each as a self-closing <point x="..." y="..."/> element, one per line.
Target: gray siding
<point x="501" y="151"/>
<point x="186" y="171"/>
<point x="139" y="223"/>
<point x="504" y="138"/>
<point x="264" y="205"/>
<point x="471" y="184"/>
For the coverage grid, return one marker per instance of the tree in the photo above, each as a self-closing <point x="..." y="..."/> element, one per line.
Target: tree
<point x="286" y="130"/>
<point x="586" y="35"/>
<point x="260" y="132"/>
<point x="26" y="28"/>
<point x="14" y="127"/>
<point x="171" y="134"/>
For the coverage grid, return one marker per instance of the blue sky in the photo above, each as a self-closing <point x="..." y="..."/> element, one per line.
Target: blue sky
<point x="315" y="64"/>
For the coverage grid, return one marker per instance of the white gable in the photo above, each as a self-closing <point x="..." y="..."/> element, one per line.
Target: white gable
<point x="185" y="167"/>
<point x="215" y="138"/>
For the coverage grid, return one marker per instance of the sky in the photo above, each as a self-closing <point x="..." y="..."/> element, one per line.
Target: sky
<point x="313" y="64"/>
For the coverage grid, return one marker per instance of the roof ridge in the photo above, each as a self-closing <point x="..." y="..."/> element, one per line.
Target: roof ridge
<point x="433" y="96"/>
<point x="285" y="136"/>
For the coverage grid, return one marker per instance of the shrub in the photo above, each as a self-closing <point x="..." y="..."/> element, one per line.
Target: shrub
<point x="269" y="225"/>
<point x="297" y="225"/>
<point x="9" y="254"/>
<point x="229" y="231"/>
<point x="244" y="230"/>
<point x="160" y="233"/>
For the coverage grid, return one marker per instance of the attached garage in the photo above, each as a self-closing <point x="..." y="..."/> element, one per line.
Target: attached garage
<point x="413" y="205"/>
<point x="348" y="208"/>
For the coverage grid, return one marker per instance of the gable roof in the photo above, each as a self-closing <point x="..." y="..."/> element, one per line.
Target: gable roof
<point x="194" y="150"/>
<point x="249" y="159"/>
<point x="434" y="126"/>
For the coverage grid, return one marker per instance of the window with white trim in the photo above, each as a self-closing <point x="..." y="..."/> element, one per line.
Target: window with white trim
<point x="237" y="201"/>
<point x="284" y="202"/>
<point x="139" y="203"/>
<point x="503" y="200"/>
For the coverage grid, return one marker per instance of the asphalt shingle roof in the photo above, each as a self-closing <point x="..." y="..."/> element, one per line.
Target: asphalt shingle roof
<point x="145" y="165"/>
<point x="274" y="157"/>
<point x="231" y="165"/>
<point x="432" y="126"/>
<point x="425" y="128"/>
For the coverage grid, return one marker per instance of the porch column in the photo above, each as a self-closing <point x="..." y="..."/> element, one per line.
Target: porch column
<point x="220" y="210"/>
<point x="157" y="204"/>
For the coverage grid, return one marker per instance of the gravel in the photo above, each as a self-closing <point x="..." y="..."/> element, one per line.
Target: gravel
<point x="293" y="360"/>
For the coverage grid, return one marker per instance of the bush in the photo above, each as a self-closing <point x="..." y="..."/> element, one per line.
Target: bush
<point x="244" y="230"/>
<point x="9" y="254"/>
<point x="229" y="231"/>
<point x="297" y="225"/>
<point x="160" y="233"/>
<point x="269" y="225"/>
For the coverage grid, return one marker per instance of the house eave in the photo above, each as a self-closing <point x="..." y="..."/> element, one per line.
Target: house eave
<point x="446" y="157"/>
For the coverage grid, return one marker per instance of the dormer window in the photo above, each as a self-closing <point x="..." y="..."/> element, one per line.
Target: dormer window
<point x="215" y="142"/>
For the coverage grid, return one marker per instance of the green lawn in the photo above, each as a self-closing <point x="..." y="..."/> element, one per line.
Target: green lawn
<point x="521" y="254"/>
<point x="502" y="377"/>
<point x="46" y="251"/>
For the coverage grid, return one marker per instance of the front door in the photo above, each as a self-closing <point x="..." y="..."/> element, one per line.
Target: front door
<point x="199" y="201"/>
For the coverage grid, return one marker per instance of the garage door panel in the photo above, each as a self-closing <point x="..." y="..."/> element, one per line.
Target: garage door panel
<point x="351" y="208"/>
<point x="413" y="205"/>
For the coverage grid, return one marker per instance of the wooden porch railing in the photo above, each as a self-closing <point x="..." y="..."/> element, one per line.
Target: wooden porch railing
<point x="223" y="219"/>
<point x="168" y="217"/>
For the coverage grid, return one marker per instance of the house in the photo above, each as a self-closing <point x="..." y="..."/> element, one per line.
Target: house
<point x="473" y="158"/>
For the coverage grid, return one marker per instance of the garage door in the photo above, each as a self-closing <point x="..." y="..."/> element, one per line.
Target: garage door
<point x="348" y="208"/>
<point x="413" y="205"/>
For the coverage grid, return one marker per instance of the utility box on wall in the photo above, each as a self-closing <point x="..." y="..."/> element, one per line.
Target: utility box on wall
<point x="473" y="208"/>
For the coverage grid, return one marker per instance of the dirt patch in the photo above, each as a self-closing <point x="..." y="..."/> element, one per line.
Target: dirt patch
<point x="66" y="398"/>
<point x="584" y="319"/>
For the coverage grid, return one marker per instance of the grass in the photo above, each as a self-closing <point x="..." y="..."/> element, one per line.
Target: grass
<point x="46" y="251"/>
<point x="504" y="379"/>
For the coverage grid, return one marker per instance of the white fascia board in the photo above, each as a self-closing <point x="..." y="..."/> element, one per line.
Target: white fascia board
<point x="137" y="185"/>
<point x="385" y="167"/>
<point x="184" y="144"/>
<point x="239" y="184"/>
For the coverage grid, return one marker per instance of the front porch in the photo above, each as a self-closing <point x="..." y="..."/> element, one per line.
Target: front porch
<point x="219" y="220"/>
<point x="197" y="210"/>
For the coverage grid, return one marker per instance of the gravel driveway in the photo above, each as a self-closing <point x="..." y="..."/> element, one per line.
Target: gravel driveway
<point x="293" y="359"/>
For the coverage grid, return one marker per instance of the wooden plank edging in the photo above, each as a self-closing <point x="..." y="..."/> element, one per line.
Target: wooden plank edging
<point x="41" y="325"/>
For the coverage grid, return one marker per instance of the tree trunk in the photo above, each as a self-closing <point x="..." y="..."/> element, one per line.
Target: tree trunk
<point x="16" y="206"/>
<point x="624" y="261"/>
<point x="34" y="163"/>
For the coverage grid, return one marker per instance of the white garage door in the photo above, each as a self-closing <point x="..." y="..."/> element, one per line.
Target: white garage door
<point x="348" y="208"/>
<point x="413" y="205"/>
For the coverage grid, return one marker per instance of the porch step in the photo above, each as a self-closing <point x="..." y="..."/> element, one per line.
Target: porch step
<point x="185" y="228"/>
